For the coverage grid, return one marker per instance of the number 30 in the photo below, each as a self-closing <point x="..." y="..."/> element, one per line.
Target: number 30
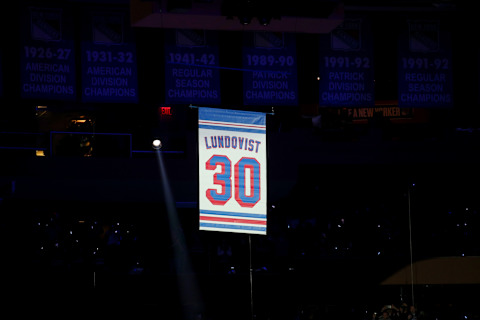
<point x="224" y="179"/>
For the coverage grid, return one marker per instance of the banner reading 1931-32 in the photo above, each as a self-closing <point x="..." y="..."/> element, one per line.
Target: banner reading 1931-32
<point x="109" y="62"/>
<point x="192" y="73"/>
<point x="346" y="65"/>
<point x="47" y="56"/>
<point x="232" y="171"/>
<point x="270" y="69"/>
<point x="425" y="65"/>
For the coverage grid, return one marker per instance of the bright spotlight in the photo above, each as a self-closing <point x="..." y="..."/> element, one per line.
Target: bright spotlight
<point x="156" y="144"/>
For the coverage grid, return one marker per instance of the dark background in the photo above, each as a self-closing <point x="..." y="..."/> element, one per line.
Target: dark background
<point x="91" y="235"/>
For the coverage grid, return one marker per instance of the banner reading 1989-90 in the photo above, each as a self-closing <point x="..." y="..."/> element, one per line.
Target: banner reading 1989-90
<point x="425" y="65"/>
<point x="270" y="69"/>
<point x="47" y="56"/>
<point x="192" y="73"/>
<point x="109" y="62"/>
<point x="346" y="66"/>
<point x="232" y="171"/>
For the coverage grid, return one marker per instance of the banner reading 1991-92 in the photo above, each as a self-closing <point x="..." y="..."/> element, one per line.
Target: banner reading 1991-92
<point x="425" y="65"/>
<point x="232" y="171"/>
<point x="346" y="65"/>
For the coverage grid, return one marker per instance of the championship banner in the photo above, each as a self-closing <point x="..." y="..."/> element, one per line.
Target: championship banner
<point x="192" y="73"/>
<point x="47" y="57"/>
<point x="346" y="65"/>
<point x="270" y="63"/>
<point x="232" y="171"/>
<point x="425" y="76"/>
<point x="109" y="61"/>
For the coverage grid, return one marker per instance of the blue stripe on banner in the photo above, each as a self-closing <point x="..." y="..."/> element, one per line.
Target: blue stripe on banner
<point x="235" y="116"/>
<point x="236" y="214"/>
<point x="230" y="226"/>
<point x="203" y="126"/>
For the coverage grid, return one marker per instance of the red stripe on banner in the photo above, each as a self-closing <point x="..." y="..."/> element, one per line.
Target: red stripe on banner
<point x="230" y="124"/>
<point x="262" y="222"/>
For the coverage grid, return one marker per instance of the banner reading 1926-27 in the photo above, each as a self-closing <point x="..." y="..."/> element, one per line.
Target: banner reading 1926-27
<point x="232" y="171"/>
<point x="346" y="65"/>
<point x="109" y="62"/>
<point x="47" y="56"/>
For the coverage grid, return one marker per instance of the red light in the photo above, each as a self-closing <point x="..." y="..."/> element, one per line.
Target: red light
<point x="165" y="111"/>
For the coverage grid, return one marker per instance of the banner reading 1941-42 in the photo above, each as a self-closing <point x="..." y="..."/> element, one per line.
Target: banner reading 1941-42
<point x="192" y="73"/>
<point x="232" y="171"/>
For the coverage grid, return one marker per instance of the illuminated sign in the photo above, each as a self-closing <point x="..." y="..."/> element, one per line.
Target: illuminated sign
<point x="165" y="111"/>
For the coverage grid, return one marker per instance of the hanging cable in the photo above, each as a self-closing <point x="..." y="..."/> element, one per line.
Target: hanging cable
<point x="411" y="246"/>
<point x="251" y="274"/>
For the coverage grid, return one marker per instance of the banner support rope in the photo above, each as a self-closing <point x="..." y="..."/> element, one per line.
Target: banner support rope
<point x="251" y="274"/>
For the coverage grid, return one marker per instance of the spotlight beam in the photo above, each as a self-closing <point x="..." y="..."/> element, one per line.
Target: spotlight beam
<point x="189" y="293"/>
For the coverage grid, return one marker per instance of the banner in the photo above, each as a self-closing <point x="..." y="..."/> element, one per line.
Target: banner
<point x="232" y="171"/>
<point x="192" y="73"/>
<point x="109" y="62"/>
<point x="425" y="77"/>
<point x="346" y="66"/>
<point x="47" y="57"/>
<point x="270" y="63"/>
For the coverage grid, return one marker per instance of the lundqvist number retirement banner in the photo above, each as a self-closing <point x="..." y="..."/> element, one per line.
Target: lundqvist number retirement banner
<point x="232" y="171"/>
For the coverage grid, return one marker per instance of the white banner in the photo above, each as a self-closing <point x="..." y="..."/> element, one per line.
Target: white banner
<point x="232" y="170"/>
